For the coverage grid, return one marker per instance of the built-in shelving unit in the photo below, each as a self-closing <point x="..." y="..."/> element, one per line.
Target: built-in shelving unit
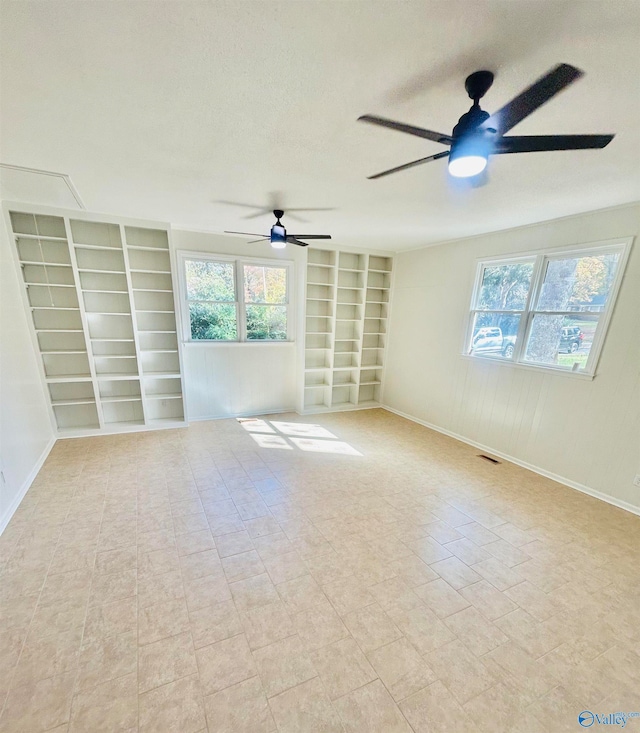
<point x="103" y="310"/>
<point x="347" y="302"/>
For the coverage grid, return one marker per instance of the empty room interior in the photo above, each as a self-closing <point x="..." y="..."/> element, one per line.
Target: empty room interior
<point x="319" y="366"/>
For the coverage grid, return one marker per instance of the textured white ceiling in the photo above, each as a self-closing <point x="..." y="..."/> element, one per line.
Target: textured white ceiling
<point x="167" y="109"/>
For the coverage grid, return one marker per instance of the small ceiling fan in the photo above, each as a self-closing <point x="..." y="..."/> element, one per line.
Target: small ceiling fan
<point x="278" y="235"/>
<point x="479" y="135"/>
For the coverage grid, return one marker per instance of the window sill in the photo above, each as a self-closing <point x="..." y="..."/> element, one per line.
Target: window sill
<point x="257" y="342"/>
<point x="532" y="367"/>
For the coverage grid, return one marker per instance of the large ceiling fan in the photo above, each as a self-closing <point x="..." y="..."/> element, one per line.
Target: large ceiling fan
<point x="278" y="235"/>
<point x="479" y="134"/>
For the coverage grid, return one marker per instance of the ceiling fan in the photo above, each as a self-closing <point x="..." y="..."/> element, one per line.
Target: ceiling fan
<point x="479" y="134"/>
<point x="275" y="200"/>
<point x="278" y="235"/>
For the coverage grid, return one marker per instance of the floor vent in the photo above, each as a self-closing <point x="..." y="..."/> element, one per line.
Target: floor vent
<point x="488" y="458"/>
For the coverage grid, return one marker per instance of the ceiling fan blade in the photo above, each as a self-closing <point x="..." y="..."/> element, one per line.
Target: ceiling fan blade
<point x="262" y="239"/>
<point x="532" y="98"/>
<point x="409" y="165"/>
<point x="302" y="220"/>
<point x="261" y="212"/>
<point x="310" y="236"/>
<point x="247" y="234"/>
<point x="293" y="240"/>
<point x="437" y="137"/>
<point x="537" y="143"/>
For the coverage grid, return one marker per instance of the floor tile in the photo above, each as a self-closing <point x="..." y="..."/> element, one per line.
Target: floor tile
<point x="108" y="658"/>
<point x="441" y="598"/>
<point x="371" y="709"/>
<point x="300" y="593"/>
<point x="488" y="600"/>
<point x="166" y="660"/>
<point x="282" y="665"/>
<point x="475" y="632"/>
<point x="225" y="663"/>
<point x="319" y="626"/>
<point x="241" y="708"/>
<point x="265" y="625"/>
<point x="177" y="706"/>
<point x="242" y="566"/>
<point x="161" y="620"/>
<point x="342" y="667"/>
<point x="455" y="572"/>
<point x="371" y="627"/>
<point x="252" y="592"/>
<point x="463" y="674"/>
<point x="402" y="670"/>
<point x="109" y="706"/>
<point x="423" y="629"/>
<point x="215" y="622"/>
<point x="38" y="707"/>
<point x="304" y="708"/>
<point x="286" y="566"/>
<point x="435" y="710"/>
<point x="161" y="562"/>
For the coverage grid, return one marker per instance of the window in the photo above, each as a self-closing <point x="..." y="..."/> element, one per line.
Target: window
<point x="236" y="300"/>
<point x="547" y="310"/>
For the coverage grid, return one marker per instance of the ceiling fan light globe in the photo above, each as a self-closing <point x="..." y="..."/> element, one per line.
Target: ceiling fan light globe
<point x="466" y="166"/>
<point x="278" y="243"/>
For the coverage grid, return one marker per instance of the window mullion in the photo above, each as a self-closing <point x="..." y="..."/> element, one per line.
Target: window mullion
<point x="526" y="317"/>
<point x="240" y="305"/>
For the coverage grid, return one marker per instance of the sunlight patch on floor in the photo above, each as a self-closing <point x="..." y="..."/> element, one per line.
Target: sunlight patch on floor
<point x="287" y="435"/>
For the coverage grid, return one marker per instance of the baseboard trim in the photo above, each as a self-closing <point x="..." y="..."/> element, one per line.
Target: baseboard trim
<point x="242" y="414"/>
<point x="26" y="485"/>
<point x="523" y="464"/>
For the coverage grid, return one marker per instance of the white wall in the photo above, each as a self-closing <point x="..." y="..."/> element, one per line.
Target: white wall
<point x="26" y="435"/>
<point x="241" y="379"/>
<point x="585" y="431"/>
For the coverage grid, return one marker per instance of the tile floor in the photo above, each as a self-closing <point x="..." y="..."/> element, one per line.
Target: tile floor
<point x="250" y="577"/>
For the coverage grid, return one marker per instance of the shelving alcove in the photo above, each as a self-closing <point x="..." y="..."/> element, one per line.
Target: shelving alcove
<point x="102" y="309"/>
<point x="346" y="315"/>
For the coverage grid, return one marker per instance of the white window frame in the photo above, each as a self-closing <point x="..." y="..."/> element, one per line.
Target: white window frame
<point x="540" y="259"/>
<point x="241" y="312"/>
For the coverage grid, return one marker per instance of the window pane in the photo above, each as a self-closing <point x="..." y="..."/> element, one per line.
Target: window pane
<point x="216" y="321"/>
<point x="494" y="334"/>
<point x="208" y="280"/>
<point x="561" y="340"/>
<point x="505" y="287"/>
<point x="265" y="284"/>
<point x="267" y="322"/>
<point x="578" y="283"/>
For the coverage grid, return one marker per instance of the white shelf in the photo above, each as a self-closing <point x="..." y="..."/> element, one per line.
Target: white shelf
<point x="352" y="291"/>
<point x="151" y="290"/>
<point x="101" y="272"/>
<point x="38" y="237"/>
<point x="152" y="272"/>
<point x="122" y="278"/>
<point x="79" y="245"/>
<point x="106" y="376"/>
<point x="125" y="398"/>
<point x="63" y="351"/>
<point x="70" y="378"/>
<point x="78" y="401"/>
<point x="44" y="264"/>
<point x="112" y="292"/>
